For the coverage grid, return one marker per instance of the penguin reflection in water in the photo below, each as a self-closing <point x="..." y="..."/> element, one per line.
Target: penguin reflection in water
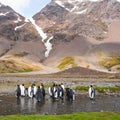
<point x="91" y="92"/>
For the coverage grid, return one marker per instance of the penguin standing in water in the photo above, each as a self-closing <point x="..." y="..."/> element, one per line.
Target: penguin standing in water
<point x="43" y="90"/>
<point x="60" y="92"/>
<point x="91" y="92"/>
<point x="39" y="94"/>
<point x="30" y="91"/>
<point x="22" y="88"/>
<point x="34" y="90"/>
<point x="52" y="91"/>
<point x="70" y="94"/>
<point x="18" y="91"/>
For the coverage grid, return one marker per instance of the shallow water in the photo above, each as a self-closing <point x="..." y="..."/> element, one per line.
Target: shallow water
<point x="9" y="104"/>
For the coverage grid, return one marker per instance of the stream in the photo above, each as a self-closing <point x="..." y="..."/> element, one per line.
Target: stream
<point x="10" y="105"/>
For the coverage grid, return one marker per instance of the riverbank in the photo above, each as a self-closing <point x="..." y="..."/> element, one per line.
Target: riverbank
<point x="107" y="102"/>
<point x="8" y="83"/>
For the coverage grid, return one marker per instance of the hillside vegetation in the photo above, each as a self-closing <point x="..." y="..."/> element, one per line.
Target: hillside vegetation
<point x="67" y="62"/>
<point x="17" y="65"/>
<point x="110" y="62"/>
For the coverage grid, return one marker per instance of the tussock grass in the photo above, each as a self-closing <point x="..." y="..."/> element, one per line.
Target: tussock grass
<point x="22" y="54"/>
<point x="82" y="88"/>
<point x="108" y="89"/>
<point x="67" y="61"/>
<point x="99" y="89"/>
<point x="110" y="61"/>
<point x="102" y="25"/>
<point x="16" y="65"/>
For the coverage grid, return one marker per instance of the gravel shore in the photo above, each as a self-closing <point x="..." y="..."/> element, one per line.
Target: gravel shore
<point x="8" y="83"/>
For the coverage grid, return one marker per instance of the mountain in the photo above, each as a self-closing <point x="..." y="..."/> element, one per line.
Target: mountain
<point x="85" y="33"/>
<point x="20" y="44"/>
<point x="64" y="34"/>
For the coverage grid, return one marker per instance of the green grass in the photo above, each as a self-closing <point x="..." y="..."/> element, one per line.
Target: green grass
<point x="14" y="66"/>
<point x="102" y="25"/>
<point x="110" y="61"/>
<point x="108" y="89"/>
<point x="51" y="29"/>
<point x="26" y="70"/>
<point x="99" y="89"/>
<point x="76" y="116"/>
<point x="22" y="54"/>
<point x="82" y="88"/>
<point x="66" y="62"/>
<point x="99" y="38"/>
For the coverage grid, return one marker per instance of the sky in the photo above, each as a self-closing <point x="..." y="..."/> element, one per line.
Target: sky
<point x="27" y="8"/>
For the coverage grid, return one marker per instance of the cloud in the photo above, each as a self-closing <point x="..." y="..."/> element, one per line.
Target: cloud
<point x="17" y="5"/>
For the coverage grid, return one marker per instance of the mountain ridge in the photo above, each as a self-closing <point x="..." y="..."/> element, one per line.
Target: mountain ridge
<point x="65" y="33"/>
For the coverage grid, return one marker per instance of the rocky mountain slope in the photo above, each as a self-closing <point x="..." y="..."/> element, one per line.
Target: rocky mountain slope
<point x="19" y="43"/>
<point x="85" y="33"/>
<point x="65" y="34"/>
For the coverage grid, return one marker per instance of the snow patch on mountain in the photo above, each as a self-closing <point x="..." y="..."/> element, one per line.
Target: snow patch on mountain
<point x="60" y="4"/>
<point x="18" y="27"/>
<point x="73" y="1"/>
<point x="74" y="8"/>
<point x="18" y="18"/>
<point x="89" y="0"/>
<point x="44" y="36"/>
<point x="27" y="20"/>
<point x="48" y="46"/>
<point x="1" y="5"/>
<point x="39" y="29"/>
<point x="4" y="14"/>
<point x="81" y="12"/>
